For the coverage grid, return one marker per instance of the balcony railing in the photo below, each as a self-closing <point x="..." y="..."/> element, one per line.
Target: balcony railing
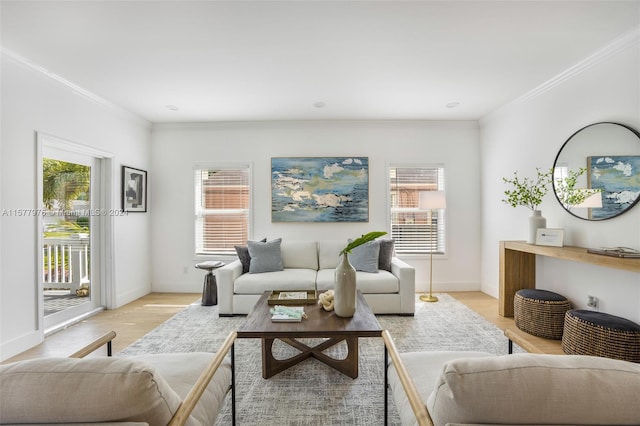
<point x="66" y="263"/>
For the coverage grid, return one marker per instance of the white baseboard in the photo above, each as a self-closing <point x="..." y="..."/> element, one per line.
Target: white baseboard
<point x="127" y="297"/>
<point x="422" y="287"/>
<point x="177" y="287"/>
<point x="20" y="344"/>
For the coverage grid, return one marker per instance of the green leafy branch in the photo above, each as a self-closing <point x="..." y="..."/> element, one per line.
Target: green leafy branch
<point x="527" y="192"/>
<point x="363" y="239"/>
<point x="566" y="190"/>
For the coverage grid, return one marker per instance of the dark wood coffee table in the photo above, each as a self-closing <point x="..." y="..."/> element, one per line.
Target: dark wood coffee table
<point x="318" y="324"/>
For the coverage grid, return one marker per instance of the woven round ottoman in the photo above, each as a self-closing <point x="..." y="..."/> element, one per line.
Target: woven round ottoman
<point x="540" y="312"/>
<point x="600" y="334"/>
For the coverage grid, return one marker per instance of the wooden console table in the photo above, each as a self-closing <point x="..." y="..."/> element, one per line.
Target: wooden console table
<point x="518" y="266"/>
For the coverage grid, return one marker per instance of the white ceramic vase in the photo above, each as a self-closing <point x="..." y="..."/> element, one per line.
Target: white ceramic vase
<point x="345" y="288"/>
<point x="536" y="221"/>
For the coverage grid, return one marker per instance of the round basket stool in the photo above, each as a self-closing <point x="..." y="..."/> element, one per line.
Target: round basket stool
<point x="540" y="312"/>
<point x="600" y="334"/>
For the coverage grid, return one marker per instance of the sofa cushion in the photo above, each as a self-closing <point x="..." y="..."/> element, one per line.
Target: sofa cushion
<point x="265" y="257"/>
<point x="299" y="254"/>
<point x="329" y="253"/>
<point x="365" y="257"/>
<point x="387" y="248"/>
<point x="181" y="371"/>
<point x="537" y="389"/>
<point x="367" y="283"/>
<point x="243" y="255"/>
<point x="423" y="368"/>
<point x="67" y="390"/>
<point x="288" y="279"/>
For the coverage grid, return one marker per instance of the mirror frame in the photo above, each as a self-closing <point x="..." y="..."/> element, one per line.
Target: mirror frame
<point x="555" y="162"/>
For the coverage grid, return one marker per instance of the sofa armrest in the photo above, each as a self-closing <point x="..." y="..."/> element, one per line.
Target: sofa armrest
<point x="105" y="339"/>
<point x="225" y="278"/>
<point x="417" y="405"/>
<point x="184" y="411"/>
<point x="406" y="275"/>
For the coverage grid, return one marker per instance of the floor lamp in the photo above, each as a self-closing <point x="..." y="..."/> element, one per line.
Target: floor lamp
<point x="430" y="201"/>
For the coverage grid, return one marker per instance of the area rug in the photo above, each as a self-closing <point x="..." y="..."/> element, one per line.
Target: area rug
<point x="312" y="393"/>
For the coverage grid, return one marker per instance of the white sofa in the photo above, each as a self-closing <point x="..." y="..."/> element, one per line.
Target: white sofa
<point x="310" y="263"/>
<point x="474" y="388"/>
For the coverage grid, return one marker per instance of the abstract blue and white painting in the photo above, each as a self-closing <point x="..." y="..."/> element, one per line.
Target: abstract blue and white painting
<point x="618" y="176"/>
<point x="320" y="189"/>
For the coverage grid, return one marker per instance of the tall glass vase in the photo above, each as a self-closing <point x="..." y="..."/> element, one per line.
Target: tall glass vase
<point x="535" y="221"/>
<point x="345" y="288"/>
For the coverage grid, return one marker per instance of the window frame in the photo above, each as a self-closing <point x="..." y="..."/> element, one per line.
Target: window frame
<point x="198" y="210"/>
<point x="439" y="216"/>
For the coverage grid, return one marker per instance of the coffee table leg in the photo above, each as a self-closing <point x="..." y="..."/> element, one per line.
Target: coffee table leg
<point x="233" y="384"/>
<point x="347" y="366"/>
<point x="386" y="385"/>
<point x="272" y="366"/>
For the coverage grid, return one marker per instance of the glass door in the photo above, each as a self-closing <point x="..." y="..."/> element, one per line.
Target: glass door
<point x="69" y="190"/>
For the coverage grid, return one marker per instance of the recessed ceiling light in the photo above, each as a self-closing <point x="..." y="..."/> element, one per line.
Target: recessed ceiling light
<point x="452" y="104"/>
<point x="172" y="107"/>
<point x="319" y="104"/>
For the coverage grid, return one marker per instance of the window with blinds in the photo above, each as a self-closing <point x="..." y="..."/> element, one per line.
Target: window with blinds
<point x="411" y="228"/>
<point x="222" y="197"/>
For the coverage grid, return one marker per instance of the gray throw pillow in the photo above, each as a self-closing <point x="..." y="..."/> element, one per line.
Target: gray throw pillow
<point x="243" y="255"/>
<point x="265" y="257"/>
<point x="386" y="254"/>
<point x="365" y="257"/>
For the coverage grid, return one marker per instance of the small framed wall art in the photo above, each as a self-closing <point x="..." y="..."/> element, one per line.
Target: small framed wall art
<point x="549" y="237"/>
<point x="134" y="190"/>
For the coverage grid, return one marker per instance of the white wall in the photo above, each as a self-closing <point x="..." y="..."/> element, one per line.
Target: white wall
<point x="177" y="147"/>
<point x="528" y="134"/>
<point x="32" y="101"/>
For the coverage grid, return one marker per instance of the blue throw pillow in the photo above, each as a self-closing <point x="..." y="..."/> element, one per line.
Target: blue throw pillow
<point x="365" y="257"/>
<point x="265" y="257"/>
<point x="243" y="255"/>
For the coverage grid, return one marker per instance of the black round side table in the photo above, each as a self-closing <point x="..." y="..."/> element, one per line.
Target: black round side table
<point x="210" y="288"/>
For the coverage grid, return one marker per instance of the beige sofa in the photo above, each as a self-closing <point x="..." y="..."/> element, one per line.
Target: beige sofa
<point x="472" y="388"/>
<point x="308" y="264"/>
<point x="162" y="389"/>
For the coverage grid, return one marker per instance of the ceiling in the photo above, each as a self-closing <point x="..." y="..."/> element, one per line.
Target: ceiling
<point x="277" y="60"/>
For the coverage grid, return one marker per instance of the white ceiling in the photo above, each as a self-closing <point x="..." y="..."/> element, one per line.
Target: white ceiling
<point x="273" y="60"/>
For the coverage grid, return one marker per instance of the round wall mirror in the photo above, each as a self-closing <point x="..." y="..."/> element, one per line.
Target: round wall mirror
<point x="604" y="160"/>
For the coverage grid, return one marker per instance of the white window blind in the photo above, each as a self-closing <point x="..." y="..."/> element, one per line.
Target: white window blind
<point x="222" y="197"/>
<point x="410" y="227"/>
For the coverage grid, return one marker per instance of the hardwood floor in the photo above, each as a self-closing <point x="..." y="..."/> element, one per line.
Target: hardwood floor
<point x="134" y="320"/>
<point x="487" y="306"/>
<point x="130" y="322"/>
<point x="484" y="305"/>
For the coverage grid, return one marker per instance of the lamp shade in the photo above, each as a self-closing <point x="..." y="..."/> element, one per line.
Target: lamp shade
<point x="431" y="200"/>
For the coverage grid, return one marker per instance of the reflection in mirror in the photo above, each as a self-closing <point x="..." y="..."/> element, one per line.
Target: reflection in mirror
<point x="604" y="160"/>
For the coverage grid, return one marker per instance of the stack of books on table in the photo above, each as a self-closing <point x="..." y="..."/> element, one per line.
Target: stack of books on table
<point x="281" y="313"/>
<point x="616" y="252"/>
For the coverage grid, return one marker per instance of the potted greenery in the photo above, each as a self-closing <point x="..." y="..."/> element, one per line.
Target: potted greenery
<point x="529" y="192"/>
<point x="362" y="240"/>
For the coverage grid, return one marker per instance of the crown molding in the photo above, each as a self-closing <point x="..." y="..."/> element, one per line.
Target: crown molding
<point x="626" y="40"/>
<point x="623" y="42"/>
<point x="86" y="94"/>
